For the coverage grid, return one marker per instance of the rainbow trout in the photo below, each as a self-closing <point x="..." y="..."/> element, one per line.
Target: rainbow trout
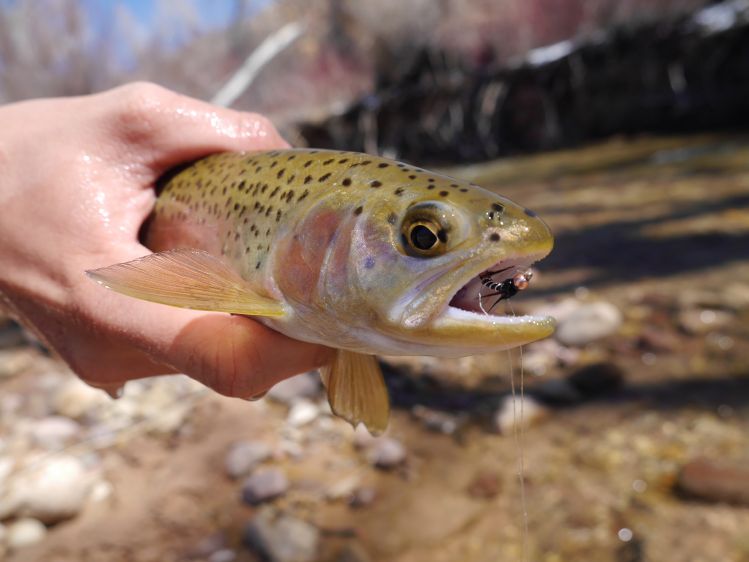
<point x="356" y="252"/>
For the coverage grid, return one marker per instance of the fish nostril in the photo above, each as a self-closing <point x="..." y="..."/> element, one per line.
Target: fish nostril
<point x="494" y="237"/>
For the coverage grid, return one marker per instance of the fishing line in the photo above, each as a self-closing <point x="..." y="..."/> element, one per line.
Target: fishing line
<point x="518" y="436"/>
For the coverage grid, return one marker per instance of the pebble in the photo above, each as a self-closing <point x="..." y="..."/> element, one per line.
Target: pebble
<point x="25" y="532"/>
<point x="589" y="323"/>
<point x="223" y="555"/>
<point x="701" y="321"/>
<point x="54" y="491"/>
<point x="507" y="415"/>
<point x="75" y="399"/>
<point x="264" y="485"/>
<point x="15" y="361"/>
<point x="54" y="432"/>
<point x="244" y="456"/>
<point x="306" y="385"/>
<point x="435" y="420"/>
<point x="657" y="340"/>
<point x="485" y="485"/>
<point x="386" y="453"/>
<point x="597" y="379"/>
<point x="277" y="537"/>
<point x="363" y="497"/>
<point x="713" y="482"/>
<point x="302" y="412"/>
<point x="11" y="334"/>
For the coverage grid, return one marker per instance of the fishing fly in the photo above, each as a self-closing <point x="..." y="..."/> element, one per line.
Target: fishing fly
<point x="505" y="289"/>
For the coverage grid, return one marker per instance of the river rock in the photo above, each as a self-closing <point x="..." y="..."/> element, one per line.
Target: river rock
<point x="54" y="432"/>
<point x="278" y="537"/>
<point x="75" y="399"/>
<point x="386" y="453"/>
<point x="306" y="385"/>
<point x="264" y="485"/>
<point x="714" y="482"/>
<point x="55" y="490"/>
<point x="25" y="532"/>
<point x="508" y="415"/>
<point x="302" y="412"/>
<point x="588" y="323"/>
<point x="15" y="361"/>
<point x="244" y="456"/>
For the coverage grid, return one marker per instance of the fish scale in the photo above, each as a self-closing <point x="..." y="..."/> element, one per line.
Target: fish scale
<point x="355" y="252"/>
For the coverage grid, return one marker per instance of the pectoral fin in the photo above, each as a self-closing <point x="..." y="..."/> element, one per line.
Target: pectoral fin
<point x="357" y="391"/>
<point x="186" y="278"/>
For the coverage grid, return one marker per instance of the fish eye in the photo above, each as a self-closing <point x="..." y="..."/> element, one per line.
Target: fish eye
<point x="423" y="236"/>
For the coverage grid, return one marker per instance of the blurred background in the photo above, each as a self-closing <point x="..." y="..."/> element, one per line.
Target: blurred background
<point x="622" y="123"/>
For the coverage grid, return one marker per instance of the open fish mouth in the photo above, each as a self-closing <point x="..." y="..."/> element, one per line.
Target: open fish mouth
<point x="480" y="296"/>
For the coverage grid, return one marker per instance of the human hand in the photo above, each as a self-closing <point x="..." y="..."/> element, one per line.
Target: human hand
<point x="76" y="184"/>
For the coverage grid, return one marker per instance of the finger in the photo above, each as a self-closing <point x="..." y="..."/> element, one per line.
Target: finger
<point x="236" y="356"/>
<point x="176" y="128"/>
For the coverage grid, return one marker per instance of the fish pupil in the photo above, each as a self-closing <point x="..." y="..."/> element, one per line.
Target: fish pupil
<point x="423" y="238"/>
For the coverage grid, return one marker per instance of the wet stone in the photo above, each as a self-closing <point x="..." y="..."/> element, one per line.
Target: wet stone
<point x="703" y="321"/>
<point x="434" y="420"/>
<point x="264" y="485"/>
<point x="25" y="532"/>
<point x="54" y="432"/>
<point x="511" y="414"/>
<point x="588" y="323"/>
<point x="706" y="480"/>
<point x="386" y="453"/>
<point x="302" y="412"/>
<point x="277" y="537"/>
<point x="244" y="456"/>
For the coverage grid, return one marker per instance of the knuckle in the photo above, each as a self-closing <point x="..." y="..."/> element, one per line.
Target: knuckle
<point x="139" y="109"/>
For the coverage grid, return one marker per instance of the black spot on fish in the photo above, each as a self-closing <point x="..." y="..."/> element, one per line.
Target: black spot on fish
<point x="383" y="165"/>
<point x="412" y="177"/>
<point x="278" y="215"/>
<point x="343" y="160"/>
<point x="399" y="191"/>
<point x="358" y="210"/>
<point x="431" y="186"/>
<point x="273" y="164"/>
<point x="307" y="163"/>
<point x="375" y="183"/>
<point x="444" y="193"/>
<point x="324" y="177"/>
<point x="241" y="184"/>
<point x="328" y="161"/>
<point x="346" y="182"/>
<point x="280" y="173"/>
<point x="303" y="196"/>
<point x="453" y="185"/>
<point x="464" y="190"/>
<point x="366" y="162"/>
<point x="498" y="207"/>
<point x="275" y="190"/>
<point x="292" y="157"/>
<point x="257" y="170"/>
<point x="307" y="180"/>
<point x="291" y="179"/>
<point x="494" y="237"/>
<point x="392" y="218"/>
<point x="257" y="265"/>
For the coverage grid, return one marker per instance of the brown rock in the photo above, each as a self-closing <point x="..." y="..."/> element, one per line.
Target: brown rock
<point x="709" y="481"/>
<point x="485" y="485"/>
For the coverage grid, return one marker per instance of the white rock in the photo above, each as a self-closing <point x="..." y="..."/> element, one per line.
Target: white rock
<point x="386" y="452"/>
<point x="508" y="415"/>
<point x="15" y="361"/>
<point x="306" y="385"/>
<point x="244" y="456"/>
<point x="52" y="490"/>
<point x="590" y="322"/>
<point x="25" y="532"/>
<point x="302" y="413"/>
<point x="75" y="399"/>
<point x="54" y="432"/>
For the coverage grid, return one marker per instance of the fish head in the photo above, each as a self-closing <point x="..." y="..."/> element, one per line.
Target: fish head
<point x="403" y="268"/>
